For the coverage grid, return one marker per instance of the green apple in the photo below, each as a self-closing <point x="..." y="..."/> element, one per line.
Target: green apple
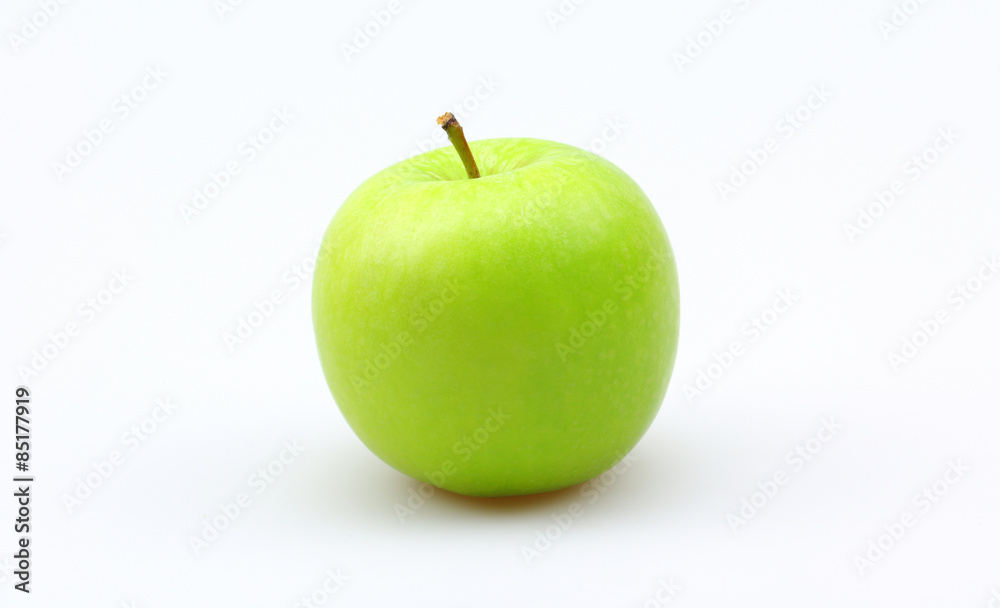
<point x="498" y="334"/>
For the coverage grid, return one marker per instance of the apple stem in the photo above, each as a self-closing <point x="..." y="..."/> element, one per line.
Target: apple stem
<point x="456" y="136"/>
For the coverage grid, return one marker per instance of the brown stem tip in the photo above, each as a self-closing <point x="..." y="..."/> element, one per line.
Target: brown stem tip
<point x="446" y="119"/>
<point x="456" y="135"/>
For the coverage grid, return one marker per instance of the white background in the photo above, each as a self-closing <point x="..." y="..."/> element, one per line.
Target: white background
<point x="682" y="128"/>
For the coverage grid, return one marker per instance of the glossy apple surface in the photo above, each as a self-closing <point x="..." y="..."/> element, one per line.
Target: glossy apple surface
<point x="498" y="336"/>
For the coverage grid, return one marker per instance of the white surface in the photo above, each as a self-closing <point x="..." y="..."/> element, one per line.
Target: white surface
<point x="663" y="519"/>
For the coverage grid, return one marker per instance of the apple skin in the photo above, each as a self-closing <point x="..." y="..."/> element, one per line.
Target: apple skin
<point x="499" y="336"/>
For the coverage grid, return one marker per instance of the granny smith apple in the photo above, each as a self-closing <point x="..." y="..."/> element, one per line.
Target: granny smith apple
<point x="498" y="321"/>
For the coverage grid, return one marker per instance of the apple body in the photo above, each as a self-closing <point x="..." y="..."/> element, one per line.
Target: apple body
<point x="498" y="336"/>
